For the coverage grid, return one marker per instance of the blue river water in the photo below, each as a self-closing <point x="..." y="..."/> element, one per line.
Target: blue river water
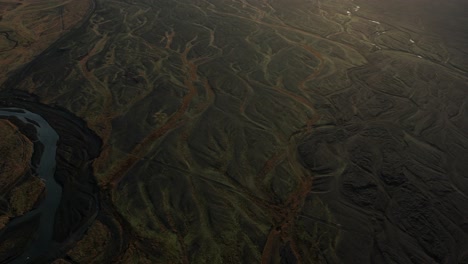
<point x="45" y="169"/>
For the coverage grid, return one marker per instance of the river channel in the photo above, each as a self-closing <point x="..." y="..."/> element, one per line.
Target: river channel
<point x="64" y="148"/>
<point x="48" y="137"/>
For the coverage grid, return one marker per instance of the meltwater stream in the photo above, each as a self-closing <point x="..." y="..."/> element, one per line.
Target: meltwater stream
<point x="40" y="244"/>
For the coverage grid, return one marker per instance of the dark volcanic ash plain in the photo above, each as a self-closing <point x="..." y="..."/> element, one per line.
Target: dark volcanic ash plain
<point x="264" y="131"/>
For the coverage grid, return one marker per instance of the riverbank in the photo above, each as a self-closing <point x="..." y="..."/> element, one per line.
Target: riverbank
<point x="76" y="148"/>
<point x="16" y="151"/>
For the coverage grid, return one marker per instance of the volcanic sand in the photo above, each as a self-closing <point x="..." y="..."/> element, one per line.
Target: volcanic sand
<point x="266" y="131"/>
<point x="28" y="27"/>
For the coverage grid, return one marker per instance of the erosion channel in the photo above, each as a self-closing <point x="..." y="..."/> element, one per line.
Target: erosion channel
<point x="244" y="131"/>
